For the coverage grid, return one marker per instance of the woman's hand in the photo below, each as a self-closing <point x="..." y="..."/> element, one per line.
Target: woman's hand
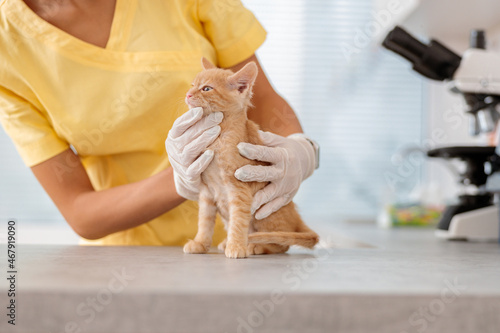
<point x="292" y="159"/>
<point x="186" y="146"/>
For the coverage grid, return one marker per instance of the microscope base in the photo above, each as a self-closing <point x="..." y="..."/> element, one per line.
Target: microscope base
<point x="477" y="225"/>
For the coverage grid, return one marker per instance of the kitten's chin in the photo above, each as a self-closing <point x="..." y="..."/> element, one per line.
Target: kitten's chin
<point x="206" y="110"/>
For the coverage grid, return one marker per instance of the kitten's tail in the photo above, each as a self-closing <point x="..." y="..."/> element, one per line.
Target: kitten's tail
<point x="306" y="239"/>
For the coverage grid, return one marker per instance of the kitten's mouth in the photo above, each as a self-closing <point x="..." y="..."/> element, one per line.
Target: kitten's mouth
<point x="190" y="103"/>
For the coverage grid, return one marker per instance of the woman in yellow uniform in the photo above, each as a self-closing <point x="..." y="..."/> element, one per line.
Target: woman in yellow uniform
<point x="90" y="89"/>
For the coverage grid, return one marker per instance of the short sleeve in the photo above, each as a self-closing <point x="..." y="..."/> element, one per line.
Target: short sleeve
<point x="31" y="132"/>
<point x="232" y="29"/>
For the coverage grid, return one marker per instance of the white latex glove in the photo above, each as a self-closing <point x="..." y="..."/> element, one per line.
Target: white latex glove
<point x="189" y="138"/>
<point x="292" y="159"/>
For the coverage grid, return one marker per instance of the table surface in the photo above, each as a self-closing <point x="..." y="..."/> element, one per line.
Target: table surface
<point x="360" y="278"/>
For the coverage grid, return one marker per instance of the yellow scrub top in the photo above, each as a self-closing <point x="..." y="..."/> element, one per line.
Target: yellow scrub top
<point x="115" y="105"/>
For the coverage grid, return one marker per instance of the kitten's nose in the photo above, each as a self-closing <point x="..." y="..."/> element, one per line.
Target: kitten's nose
<point x="188" y="96"/>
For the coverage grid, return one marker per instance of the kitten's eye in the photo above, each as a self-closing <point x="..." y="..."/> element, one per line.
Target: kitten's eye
<point x="207" y="88"/>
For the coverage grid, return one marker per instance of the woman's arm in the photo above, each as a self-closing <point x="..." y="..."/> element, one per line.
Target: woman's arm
<point x="95" y="214"/>
<point x="270" y="111"/>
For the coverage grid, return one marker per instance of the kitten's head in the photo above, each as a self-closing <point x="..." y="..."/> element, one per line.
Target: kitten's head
<point x="216" y="89"/>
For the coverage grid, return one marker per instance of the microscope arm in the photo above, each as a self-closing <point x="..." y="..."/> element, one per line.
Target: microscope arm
<point x="478" y="73"/>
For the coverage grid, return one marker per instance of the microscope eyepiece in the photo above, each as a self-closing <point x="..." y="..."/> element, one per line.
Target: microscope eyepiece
<point x="434" y="60"/>
<point x="478" y="39"/>
<point x="404" y="44"/>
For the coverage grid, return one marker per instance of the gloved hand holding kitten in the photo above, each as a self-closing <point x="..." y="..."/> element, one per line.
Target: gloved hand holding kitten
<point x="292" y="160"/>
<point x="189" y="137"/>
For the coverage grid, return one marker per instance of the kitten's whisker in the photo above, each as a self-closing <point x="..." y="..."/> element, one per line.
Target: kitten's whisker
<point x="179" y="110"/>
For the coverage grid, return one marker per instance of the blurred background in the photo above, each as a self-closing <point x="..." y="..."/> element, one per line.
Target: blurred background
<point x="370" y="113"/>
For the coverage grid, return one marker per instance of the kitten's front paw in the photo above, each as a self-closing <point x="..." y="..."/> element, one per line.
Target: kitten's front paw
<point x="234" y="250"/>
<point x="195" y="247"/>
<point x="222" y="245"/>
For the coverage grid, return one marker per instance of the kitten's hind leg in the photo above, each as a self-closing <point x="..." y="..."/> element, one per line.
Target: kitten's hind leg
<point x="266" y="248"/>
<point x="206" y="223"/>
<point x="222" y="245"/>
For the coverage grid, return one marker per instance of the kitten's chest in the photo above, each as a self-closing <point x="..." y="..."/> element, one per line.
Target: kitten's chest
<point x="215" y="181"/>
<point x="226" y="160"/>
<point x="220" y="173"/>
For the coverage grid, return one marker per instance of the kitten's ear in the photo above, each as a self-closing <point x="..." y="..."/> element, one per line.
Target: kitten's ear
<point x="206" y="64"/>
<point x="245" y="77"/>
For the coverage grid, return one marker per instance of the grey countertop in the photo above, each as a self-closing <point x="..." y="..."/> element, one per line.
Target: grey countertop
<point x="361" y="279"/>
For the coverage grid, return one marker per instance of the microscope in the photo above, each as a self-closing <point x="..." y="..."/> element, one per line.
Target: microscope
<point x="476" y="76"/>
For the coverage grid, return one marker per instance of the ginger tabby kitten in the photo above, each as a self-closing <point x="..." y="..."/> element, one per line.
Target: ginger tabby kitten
<point x="214" y="90"/>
